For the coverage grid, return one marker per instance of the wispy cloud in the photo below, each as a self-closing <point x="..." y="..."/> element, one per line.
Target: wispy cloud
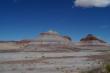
<point x="104" y="26"/>
<point x="92" y="3"/>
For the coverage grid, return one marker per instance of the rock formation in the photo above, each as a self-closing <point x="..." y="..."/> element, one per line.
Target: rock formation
<point x="53" y="41"/>
<point x="23" y="43"/>
<point x="91" y="40"/>
<point x="50" y="40"/>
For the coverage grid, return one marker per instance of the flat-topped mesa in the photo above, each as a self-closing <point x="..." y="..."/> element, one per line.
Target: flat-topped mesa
<point x="91" y="40"/>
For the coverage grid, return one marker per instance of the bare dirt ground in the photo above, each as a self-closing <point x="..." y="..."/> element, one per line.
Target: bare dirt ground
<point x="51" y="62"/>
<point x="48" y="62"/>
<point x="8" y="46"/>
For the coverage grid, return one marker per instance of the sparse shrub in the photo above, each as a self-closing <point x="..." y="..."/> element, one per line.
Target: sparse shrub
<point x="43" y="56"/>
<point x="57" y="68"/>
<point x="107" y="68"/>
<point x="77" y="68"/>
<point x="30" y="69"/>
<point x="13" y="69"/>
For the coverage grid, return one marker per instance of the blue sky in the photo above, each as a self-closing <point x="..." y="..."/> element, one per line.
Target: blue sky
<point x="25" y="19"/>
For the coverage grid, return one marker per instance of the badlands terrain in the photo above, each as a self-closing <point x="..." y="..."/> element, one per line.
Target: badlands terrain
<point x="55" y="54"/>
<point x="71" y="61"/>
<point x="52" y="62"/>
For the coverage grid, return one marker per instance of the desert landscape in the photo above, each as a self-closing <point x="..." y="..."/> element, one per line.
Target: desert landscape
<point x="54" y="36"/>
<point x="53" y="53"/>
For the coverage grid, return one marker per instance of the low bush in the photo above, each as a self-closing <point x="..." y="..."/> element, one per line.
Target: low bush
<point x="107" y="68"/>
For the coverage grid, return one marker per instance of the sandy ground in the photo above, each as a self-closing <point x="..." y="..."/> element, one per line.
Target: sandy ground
<point x="8" y="46"/>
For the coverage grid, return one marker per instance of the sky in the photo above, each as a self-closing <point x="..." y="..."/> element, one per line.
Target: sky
<point x="25" y="19"/>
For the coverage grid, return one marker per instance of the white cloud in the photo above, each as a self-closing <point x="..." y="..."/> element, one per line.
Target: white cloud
<point x="92" y="3"/>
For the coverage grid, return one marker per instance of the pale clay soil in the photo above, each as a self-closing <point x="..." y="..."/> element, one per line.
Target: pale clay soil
<point x="50" y="62"/>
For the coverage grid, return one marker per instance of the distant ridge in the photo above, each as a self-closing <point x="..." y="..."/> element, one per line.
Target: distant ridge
<point x="53" y="41"/>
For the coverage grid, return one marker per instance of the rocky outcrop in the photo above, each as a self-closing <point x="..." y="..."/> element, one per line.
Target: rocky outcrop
<point x="50" y="41"/>
<point x="23" y="42"/>
<point x="52" y="36"/>
<point x="91" y="40"/>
